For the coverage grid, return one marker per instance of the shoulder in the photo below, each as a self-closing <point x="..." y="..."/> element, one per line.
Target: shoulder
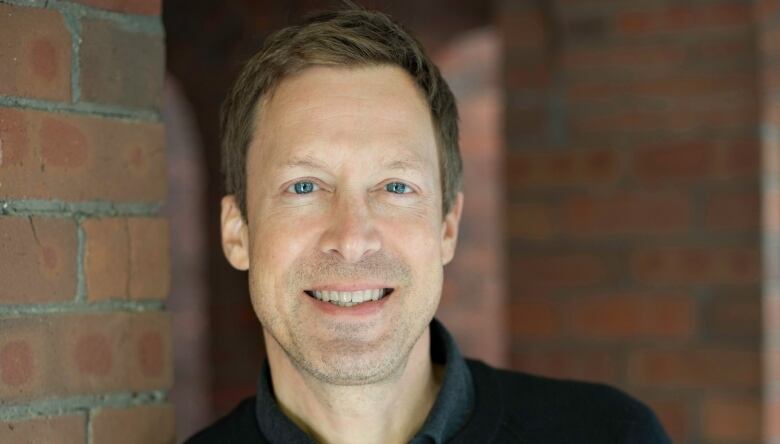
<point x="238" y="426"/>
<point x="555" y="410"/>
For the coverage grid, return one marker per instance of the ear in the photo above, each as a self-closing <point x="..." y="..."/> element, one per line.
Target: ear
<point x="449" y="230"/>
<point x="235" y="239"/>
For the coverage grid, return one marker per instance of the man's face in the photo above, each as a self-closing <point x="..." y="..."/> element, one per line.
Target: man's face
<point x="344" y="202"/>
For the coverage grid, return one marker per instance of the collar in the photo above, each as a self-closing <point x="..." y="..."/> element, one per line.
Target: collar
<point x="449" y="413"/>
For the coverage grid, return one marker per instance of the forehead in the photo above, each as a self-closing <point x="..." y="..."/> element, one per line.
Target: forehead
<point x="331" y="111"/>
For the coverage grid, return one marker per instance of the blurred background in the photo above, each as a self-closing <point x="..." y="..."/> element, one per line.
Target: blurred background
<point x="622" y="206"/>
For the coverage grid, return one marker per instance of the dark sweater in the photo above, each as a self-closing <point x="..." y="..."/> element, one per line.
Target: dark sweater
<point x="510" y="407"/>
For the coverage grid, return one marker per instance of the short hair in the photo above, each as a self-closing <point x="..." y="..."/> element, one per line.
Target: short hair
<point x="350" y="37"/>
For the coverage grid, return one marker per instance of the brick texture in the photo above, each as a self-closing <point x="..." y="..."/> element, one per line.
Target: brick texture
<point x="116" y="160"/>
<point x="146" y="7"/>
<point x="151" y="424"/>
<point x="127" y="258"/>
<point x="637" y="214"/>
<point x="67" y="429"/>
<point x="83" y="253"/>
<point x="40" y="255"/>
<point x="35" y="54"/>
<point x="83" y="354"/>
<point x="110" y="61"/>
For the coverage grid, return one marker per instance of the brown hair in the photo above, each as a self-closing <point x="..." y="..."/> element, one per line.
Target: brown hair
<point x="349" y="37"/>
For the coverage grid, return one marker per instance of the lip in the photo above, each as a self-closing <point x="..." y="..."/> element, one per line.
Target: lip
<point x="351" y="286"/>
<point x="360" y="310"/>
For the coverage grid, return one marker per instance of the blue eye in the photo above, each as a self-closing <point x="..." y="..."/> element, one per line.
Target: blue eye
<point x="398" y="188"/>
<point x="303" y="187"/>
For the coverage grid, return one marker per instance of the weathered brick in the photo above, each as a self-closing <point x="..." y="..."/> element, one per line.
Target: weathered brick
<point x="732" y="418"/>
<point x="732" y="211"/>
<point x="116" y="160"/>
<point x="675" y="415"/>
<point x="557" y="270"/>
<point x="630" y="213"/>
<point x="523" y="31"/>
<point x="121" y="67"/>
<point x="733" y="115"/>
<point x="631" y="317"/>
<point x="673" y="88"/>
<point x="153" y="424"/>
<point x="698" y="368"/>
<point x="697" y="265"/>
<point x="84" y="354"/>
<point x="684" y="18"/>
<point x="727" y="317"/>
<point x="34" y="53"/>
<point x="534" y="318"/>
<point x="771" y="210"/>
<point x="38" y="260"/>
<point x="589" y="365"/>
<point x="145" y="7"/>
<point x="532" y="221"/>
<point x="623" y="58"/>
<point x="562" y="168"/>
<point x="66" y="429"/>
<point x="107" y="258"/>
<point x="149" y="258"/>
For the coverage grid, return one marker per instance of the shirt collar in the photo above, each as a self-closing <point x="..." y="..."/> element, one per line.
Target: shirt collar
<point x="449" y="413"/>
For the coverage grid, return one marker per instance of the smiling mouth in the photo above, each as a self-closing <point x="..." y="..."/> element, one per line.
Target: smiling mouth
<point x="349" y="298"/>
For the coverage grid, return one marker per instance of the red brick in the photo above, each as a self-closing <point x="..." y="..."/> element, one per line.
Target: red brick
<point x="34" y="53"/>
<point x="589" y="365"/>
<point x="634" y="213"/>
<point x="562" y="168"/>
<point x="144" y="7"/>
<point x="675" y="416"/>
<point x="107" y="258"/>
<point x="697" y="265"/>
<point x="117" y="160"/>
<point x="732" y="211"/>
<point x="563" y="269"/>
<point x="732" y="418"/>
<point x="532" y="221"/>
<point x="534" y="318"/>
<point x="630" y="317"/>
<point x="728" y="317"/>
<point x="685" y="160"/>
<point x="673" y="87"/>
<point x="38" y="263"/>
<point x="152" y="424"/>
<point x="771" y="211"/>
<point x="684" y="18"/>
<point x="121" y="67"/>
<point x="84" y="354"/>
<point x="623" y="58"/>
<point x="66" y="429"/>
<point x="524" y="31"/>
<point x="731" y="115"/>
<point x="772" y="424"/>
<point x="695" y="368"/>
<point x="149" y="258"/>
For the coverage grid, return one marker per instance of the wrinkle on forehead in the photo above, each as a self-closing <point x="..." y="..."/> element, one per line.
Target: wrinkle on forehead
<point x="373" y="107"/>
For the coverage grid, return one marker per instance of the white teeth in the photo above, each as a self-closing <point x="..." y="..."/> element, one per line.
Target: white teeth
<point x="349" y="298"/>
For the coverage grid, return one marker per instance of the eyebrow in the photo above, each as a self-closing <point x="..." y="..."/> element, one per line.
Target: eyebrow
<point x="408" y="163"/>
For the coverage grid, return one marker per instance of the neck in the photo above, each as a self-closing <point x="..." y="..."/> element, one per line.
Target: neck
<point x="390" y="411"/>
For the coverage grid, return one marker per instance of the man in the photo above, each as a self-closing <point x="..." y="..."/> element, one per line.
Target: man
<point x="340" y="144"/>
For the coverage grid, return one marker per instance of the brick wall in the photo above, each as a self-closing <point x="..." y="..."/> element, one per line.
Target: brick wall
<point x="635" y="228"/>
<point x="769" y="39"/>
<point x="84" y="337"/>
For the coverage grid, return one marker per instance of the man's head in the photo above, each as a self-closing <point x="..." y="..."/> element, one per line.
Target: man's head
<point x="349" y="155"/>
<point x="349" y="38"/>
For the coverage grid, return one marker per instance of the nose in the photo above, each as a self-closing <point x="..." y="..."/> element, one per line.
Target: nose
<point x="351" y="233"/>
